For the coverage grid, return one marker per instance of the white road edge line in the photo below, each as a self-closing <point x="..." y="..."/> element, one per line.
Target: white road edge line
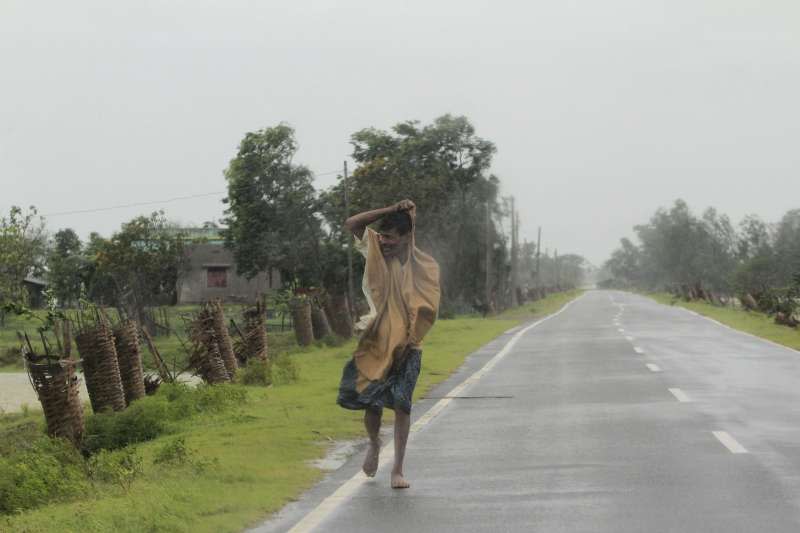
<point x="315" y="517"/>
<point x="638" y="350"/>
<point x="680" y="395"/>
<point x="729" y="442"/>
<point x="717" y="322"/>
<point x="653" y="368"/>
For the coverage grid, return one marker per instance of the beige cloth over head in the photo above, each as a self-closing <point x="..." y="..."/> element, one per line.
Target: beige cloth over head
<point x="406" y="303"/>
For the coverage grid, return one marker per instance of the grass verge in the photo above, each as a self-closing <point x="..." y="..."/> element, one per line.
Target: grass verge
<point x="255" y="457"/>
<point x="751" y="322"/>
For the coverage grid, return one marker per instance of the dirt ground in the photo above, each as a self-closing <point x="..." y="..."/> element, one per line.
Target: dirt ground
<point x="16" y="391"/>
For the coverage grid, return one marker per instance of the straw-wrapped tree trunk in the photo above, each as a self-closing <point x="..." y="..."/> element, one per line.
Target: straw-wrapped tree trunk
<point x="126" y="341"/>
<point x="58" y="389"/>
<point x="253" y="344"/>
<point x="223" y="338"/>
<point x="205" y="357"/>
<point x="301" y="316"/>
<point x="100" y="366"/>
<point x="338" y="312"/>
<point x="319" y="322"/>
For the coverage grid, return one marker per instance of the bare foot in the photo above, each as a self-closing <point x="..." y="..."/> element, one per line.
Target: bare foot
<point x="399" y="482"/>
<point x="370" y="466"/>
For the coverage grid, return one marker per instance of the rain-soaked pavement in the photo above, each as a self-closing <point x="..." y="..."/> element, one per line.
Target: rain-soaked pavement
<point x="618" y="415"/>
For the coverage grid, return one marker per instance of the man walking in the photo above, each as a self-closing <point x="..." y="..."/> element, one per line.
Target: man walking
<point x="401" y="285"/>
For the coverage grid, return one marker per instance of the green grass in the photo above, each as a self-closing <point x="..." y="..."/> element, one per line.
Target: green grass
<point x="751" y="322"/>
<point x="542" y="307"/>
<point x="262" y="449"/>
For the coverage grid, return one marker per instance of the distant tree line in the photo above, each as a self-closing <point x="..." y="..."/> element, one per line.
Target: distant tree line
<point x="276" y="219"/>
<point x="707" y="256"/>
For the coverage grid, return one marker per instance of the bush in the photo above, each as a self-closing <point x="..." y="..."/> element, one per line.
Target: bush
<point x="11" y="356"/>
<point x="50" y="470"/>
<point x="256" y="372"/>
<point x="174" y="452"/>
<point x="334" y="341"/>
<point x="144" y="420"/>
<point x="149" y="417"/>
<point x="187" y="401"/>
<point x="284" y="370"/>
<point x="121" y="467"/>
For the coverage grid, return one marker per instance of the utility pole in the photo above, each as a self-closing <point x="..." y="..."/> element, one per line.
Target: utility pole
<point x="350" y="293"/>
<point x="488" y="258"/>
<point x="514" y="254"/>
<point x="538" y="255"/>
<point x="558" y="274"/>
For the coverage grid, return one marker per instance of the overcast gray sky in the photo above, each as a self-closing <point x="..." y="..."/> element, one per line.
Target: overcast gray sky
<point x="601" y="111"/>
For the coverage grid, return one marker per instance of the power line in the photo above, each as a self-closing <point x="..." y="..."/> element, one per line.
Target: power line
<point x="138" y="204"/>
<point x="154" y="202"/>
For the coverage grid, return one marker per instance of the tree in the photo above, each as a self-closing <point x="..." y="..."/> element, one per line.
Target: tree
<point x="271" y="216"/>
<point x="22" y="252"/>
<point x="571" y="270"/>
<point x="444" y="168"/>
<point x="100" y="287"/>
<point x="754" y="238"/>
<point x="709" y="254"/>
<point x="787" y="247"/>
<point x="716" y="250"/>
<point x="143" y="261"/>
<point x="66" y="266"/>
<point x="625" y="263"/>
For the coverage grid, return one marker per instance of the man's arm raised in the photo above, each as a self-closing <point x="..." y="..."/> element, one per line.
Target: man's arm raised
<point x="356" y="224"/>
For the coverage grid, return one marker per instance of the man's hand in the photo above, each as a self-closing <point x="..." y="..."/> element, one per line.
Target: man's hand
<point x="404" y="205"/>
<point x="358" y="223"/>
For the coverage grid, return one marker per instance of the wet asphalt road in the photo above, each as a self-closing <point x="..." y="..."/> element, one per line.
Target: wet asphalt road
<point x="618" y="415"/>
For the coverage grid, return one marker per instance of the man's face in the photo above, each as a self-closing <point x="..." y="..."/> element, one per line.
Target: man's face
<point x="392" y="243"/>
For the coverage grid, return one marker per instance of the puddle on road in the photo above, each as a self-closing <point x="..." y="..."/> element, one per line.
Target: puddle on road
<point x="337" y="455"/>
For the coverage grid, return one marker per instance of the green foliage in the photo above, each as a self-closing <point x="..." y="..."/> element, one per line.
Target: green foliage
<point x="141" y="262"/>
<point x="678" y="248"/>
<point x="257" y="372"/>
<point x="187" y="401"/>
<point x="284" y="370"/>
<point x="332" y="340"/>
<point x="48" y="470"/>
<point x="142" y="421"/>
<point x="444" y="168"/>
<point x="121" y="467"/>
<point x="66" y="266"/>
<point x="150" y="417"/>
<point x="271" y="221"/>
<point x="22" y="252"/>
<point x="787" y="248"/>
<point x="685" y="254"/>
<point x="10" y="355"/>
<point x="173" y="452"/>
<point x="176" y="453"/>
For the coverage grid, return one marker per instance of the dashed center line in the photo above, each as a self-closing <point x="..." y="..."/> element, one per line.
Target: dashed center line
<point x="729" y="442"/>
<point x="621" y="330"/>
<point x="638" y="350"/>
<point x="629" y="338"/>
<point x="680" y="395"/>
<point x="653" y="368"/>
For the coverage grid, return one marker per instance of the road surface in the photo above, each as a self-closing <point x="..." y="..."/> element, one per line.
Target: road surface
<point x="618" y="414"/>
